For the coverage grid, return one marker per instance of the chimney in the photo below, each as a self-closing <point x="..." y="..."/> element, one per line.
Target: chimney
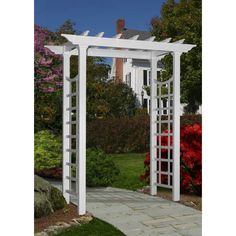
<point x="120" y="25"/>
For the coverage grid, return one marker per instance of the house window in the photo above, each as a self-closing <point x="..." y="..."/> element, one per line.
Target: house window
<point x="128" y="79"/>
<point x="145" y="77"/>
<point x="145" y="103"/>
<point x="149" y="74"/>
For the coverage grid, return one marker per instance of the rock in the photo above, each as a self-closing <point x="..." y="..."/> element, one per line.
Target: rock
<point x="57" y="199"/>
<point x="64" y="224"/>
<point x="47" y="198"/>
<point x="49" y="232"/>
<point x="42" y="206"/>
<point x="42" y="186"/>
<point x="73" y="223"/>
<point x="84" y="219"/>
<point x="41" y="234"/>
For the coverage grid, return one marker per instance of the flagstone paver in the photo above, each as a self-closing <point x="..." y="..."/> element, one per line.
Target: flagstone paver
<point x="137" y="214"/>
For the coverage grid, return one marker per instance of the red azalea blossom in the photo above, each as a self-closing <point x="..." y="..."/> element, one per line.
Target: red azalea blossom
<point x="190" y="156"/>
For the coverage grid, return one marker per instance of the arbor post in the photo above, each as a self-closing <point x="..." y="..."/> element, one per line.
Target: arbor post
<point x="176" y="127"/>
<point x="153" y="126"/>
<point x="81" y="132"/>
<point x="66" y="128"/>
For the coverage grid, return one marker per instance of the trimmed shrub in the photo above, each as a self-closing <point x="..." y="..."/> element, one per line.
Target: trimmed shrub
<point x="101" y="170"/>
<point x="47" y="150"/>
<point x="128" y="134"/>
<point x="190" y="157"/>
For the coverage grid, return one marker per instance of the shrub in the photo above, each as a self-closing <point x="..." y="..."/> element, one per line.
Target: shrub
<point x="101" y="170"/>
<point x="119" y="135"/>
<point x="126" y="134"/>
<point x="190" y="157"/>
<point x="47" y="150"/>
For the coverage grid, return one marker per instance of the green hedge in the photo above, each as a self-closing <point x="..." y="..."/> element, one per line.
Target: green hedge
<point x="121" y="135"/>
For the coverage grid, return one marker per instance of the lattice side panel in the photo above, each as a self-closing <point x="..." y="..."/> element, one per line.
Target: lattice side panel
<point x="164" y="146"/>
<point x="73" y="137"/>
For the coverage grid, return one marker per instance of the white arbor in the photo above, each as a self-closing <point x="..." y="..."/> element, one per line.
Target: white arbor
<point x="74" y="107"/>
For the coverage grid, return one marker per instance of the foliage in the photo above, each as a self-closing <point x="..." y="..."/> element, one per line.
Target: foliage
<point x="118" y="135"/>
<point x="101" y="170"/>
<point x="190" y="156"/>
<point x="104" y="99"/>
<point x="125" y="134"/>
<point x="47" y="150"/>
<point x="180" y="20"/>
<point x="95" y="227"/>
<point x="47" y="83"/>
<point x="47" y="66"/>
<point x="109" y="99"/>
<point x="68" y="27"/>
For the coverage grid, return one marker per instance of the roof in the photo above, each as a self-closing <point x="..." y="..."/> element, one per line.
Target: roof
<point x="128" y="33"/>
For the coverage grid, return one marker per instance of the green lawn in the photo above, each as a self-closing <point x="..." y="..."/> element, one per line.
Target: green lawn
<point x="94" y="228"/>
<point x="131" y="167"/>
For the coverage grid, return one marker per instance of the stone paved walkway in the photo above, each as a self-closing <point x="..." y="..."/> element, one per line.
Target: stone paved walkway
<point x="137" y="214"/>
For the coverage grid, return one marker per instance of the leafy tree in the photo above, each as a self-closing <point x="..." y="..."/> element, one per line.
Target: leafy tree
<point x="47" y="83"/>
<point x="103" y="99"/>
<point x="68" y="27"/>
<point x="109" y="99"/>
<point x="183" y="20"/>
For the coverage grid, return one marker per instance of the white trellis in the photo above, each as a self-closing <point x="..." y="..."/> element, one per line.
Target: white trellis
<point x="74" y="108"/>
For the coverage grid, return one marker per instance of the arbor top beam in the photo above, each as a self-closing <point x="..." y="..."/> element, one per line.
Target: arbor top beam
<point x="101" y="52"/>
<point x="128" y="43"/>
<point x="99" y="46"/>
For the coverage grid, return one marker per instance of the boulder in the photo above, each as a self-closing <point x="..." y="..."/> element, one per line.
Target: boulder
<point x="42" y="206"/>
<point x="47" y="198"/>
<point x="57" y="199"/>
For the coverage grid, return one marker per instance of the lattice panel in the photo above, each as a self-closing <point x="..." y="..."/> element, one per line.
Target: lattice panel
<point x="73" y="137"/>
<point x="164" y="147"/>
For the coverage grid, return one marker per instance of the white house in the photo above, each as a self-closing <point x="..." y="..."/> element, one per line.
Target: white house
<point x="135" y="72"/>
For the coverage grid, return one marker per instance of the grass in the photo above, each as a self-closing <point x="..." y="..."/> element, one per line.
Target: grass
<point x="95" y="227"/>
<point x="131" y="167"/>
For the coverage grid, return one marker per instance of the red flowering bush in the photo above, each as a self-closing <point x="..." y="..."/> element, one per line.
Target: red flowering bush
<point x="190" y="159"/>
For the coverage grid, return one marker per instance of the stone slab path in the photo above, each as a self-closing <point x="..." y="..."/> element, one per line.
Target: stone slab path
<point x="137" y="214"/>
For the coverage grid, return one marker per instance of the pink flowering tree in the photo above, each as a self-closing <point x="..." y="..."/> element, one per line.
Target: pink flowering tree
<point x="47" y="65"/>
<point x="47" y="81"/>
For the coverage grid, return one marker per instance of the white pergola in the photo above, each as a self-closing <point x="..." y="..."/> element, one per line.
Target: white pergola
<point x="74" y="107"/>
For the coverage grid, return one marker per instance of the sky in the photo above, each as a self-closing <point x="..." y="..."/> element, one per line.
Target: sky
<point x="96" y="16"/>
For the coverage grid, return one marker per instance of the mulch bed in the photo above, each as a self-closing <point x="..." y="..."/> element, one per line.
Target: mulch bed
<point x="55" y="173"/>
<point x="63" y="215"/>
<point x="189" y="200"/>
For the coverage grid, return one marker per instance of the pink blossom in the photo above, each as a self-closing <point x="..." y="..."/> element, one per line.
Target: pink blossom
<point x="48" y="90"/>
<point x="45" y="62"/>
<point x="49" y="78"/>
